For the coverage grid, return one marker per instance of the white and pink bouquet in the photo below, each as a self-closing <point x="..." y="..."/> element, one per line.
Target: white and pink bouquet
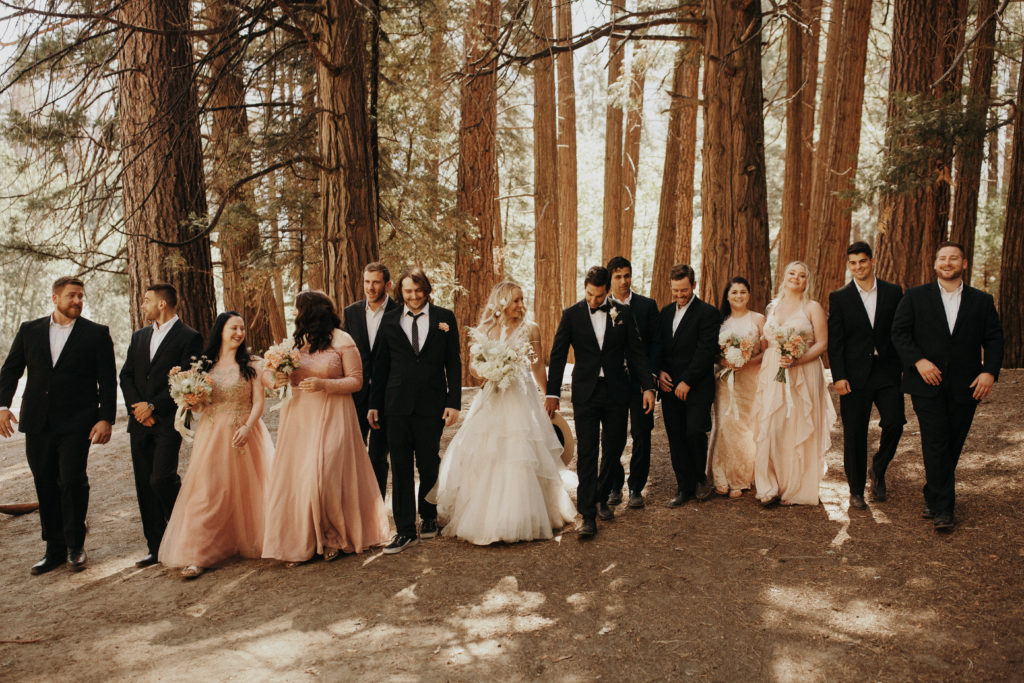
<point x="190" y="390"/>
<point x="735" y="350"/>
<point x="283" y="359"/>
<point x="497" y="361"/>
<point x="792" y="344"/>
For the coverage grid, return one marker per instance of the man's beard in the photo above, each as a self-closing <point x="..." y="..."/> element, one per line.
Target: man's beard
<point x="957" y="274"/>
<point x="70" y="311"/>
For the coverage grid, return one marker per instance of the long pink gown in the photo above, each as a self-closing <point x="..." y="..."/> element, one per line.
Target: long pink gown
<point x="790" y="460"/>
<point x="219" y="510"/>
<point x="322" y="491"/>
<point x="732" y="449"/>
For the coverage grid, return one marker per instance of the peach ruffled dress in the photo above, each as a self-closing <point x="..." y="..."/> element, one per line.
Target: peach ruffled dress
<point x="322" y="491"/>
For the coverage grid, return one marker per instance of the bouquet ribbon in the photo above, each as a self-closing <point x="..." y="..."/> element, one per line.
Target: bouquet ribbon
<point x="180" y="417"/>
<point x="285" y="394"/>
<point x="788" y="394"/>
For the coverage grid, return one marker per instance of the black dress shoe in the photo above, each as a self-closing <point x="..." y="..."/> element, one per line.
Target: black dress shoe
<point x="615" y="498"/>
<point x="77" y="559"/>
<point x="147" y="561"/>
<point x="588" y="528"/>
<point x="857" y="502"/>
<point x="944" y="521"/>
<point x="605" y="512"/>
<point x="636" y="500"/>
<point x="878" y="492"/>
<point x="48" y="563"/>
<point x="428" y="528"/>
<point x="927" y="513"/>
<point x="704" y="490"/>
<point x="679" y="499"/>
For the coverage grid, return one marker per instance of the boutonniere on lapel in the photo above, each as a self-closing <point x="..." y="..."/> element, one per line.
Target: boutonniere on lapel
<point x="614" y="315"/>
<point x="443" y="327"/>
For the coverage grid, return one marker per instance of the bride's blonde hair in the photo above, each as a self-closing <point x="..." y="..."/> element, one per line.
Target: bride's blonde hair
<point x="493" y="313"/>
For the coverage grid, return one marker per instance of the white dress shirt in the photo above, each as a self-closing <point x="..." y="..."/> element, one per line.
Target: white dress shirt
<point x="373" y="319"/>
<point x="680" y="312"/>
<point x="159" y="334"/>
<point x="599" y="321"/>
<point x="626" y="301"/>
<point x="422" y="323"/>
<point x="869" y="298"/>
<point x="951" y="302"/>
<point x="58" y="338"/>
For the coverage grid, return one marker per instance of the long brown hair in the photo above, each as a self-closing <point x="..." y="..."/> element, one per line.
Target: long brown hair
<point x="315" y="321"/>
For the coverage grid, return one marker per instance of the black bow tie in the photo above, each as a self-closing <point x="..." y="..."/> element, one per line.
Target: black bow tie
<point x="603" y="307"/>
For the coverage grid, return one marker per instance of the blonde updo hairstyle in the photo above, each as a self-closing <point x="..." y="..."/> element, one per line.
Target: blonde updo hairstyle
<point x="493" y="313"/>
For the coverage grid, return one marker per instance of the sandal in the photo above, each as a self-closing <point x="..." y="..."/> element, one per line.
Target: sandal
<point x="292" y="565"/>
<point x="192" y="572"/>
<point x="331" y="554"/>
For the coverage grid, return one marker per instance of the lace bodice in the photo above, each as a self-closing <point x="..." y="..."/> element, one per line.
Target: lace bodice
<point x="742" y="327"/>
<point x="338" y="365"/>
<point x="232" y="395"/>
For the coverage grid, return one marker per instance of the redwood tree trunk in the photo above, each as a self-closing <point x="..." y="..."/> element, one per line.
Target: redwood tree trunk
<point x="631" y="154"/>
<point x="477" y="197"/>
<point x="793" y="231"/>
<point x="610" y="244"/>
<point x="967" y="177"/>
<point x="548" y="292"/>
<point x="734" y="189"/>
<point x="348" y="207"/>
<point x="164" y="186"/>
<point x="808" y="99"/>
<point x="1011" y="270"/>
<point x="568" y="227"/>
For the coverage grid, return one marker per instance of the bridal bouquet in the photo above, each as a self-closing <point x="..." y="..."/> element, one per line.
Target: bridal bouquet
<point x="498" y="361"/>
<point x="190" y="389"/>
<point x="735" y="350"/>
<point x="282" y="358"/>
<point x="792" y="344"/>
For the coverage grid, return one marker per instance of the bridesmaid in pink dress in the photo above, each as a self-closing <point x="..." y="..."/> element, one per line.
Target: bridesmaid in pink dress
<point x="219" y="511"/>
<point x="323" y="496"/>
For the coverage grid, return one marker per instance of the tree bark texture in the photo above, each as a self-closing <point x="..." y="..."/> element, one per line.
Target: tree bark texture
<point x="836" y="162"/>
<point x="970" y="154"/>
<point x="793" y="231"/>
<point x="926" y="34"/>
<point x="733" y="187"/>
<point x="808" y="100"/>
<point x="548" y="292"/>
<point x="477" y="196"/>
<point x="1011" y="270"/>
<point x="675" y="209"/>
<point x="568" y="216"/>
<point x="246" y="275"/>
<point x="631" y="154"/>
<point x="164" y="186"/>
<point x="610" y="245"/>
<point x="348" y="207"/>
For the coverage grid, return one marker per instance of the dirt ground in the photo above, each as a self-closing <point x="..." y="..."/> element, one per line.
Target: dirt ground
<point x="721" y="590"/>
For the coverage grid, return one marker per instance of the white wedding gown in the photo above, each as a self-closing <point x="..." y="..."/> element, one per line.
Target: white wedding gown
<point x="502" y="477"/>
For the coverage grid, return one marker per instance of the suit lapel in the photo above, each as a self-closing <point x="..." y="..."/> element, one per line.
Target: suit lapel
<point x="858" y="303"/>
<point x="41" y="340"/>
<point x="588" y="324"/>
<point x="77" y="332"/>
<point x="167" y="341"/>
<point x="935" y="296"/>
<point x="358" y="325"/>
<point x="965" y="296"/>
<point x="686" y="316"/>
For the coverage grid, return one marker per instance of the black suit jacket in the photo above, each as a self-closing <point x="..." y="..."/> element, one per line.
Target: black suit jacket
<point x="404" y="383"/>
<point x="645" y="313"/>
<point x="852" y="341"/>
<point x="355" y="324"/>
<point x="73" y="395"/>
<point x="688" y="355"/>
<point x="919" y="330"/>
<point x="622" y="349"/>
<point x="145" y="381"/>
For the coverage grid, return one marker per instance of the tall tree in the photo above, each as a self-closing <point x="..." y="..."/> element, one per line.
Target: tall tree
<point x="734" y="187"/>
<point x="808" y="99"/>
<point x="568" y="227"/>
<point x="348" y="206"/>
<point x="967" y="174"/>
<point x="913" y="216"/>
<point x="631" y="152"/>
<point x="793" y="229"/>
<point x="610" y="245"/>
<point x="477" y="196"/>
<point x="836" y="161"/>
<point x="675" y="209"/>
<point x="1011" y="269"/>
<point x="548" y="293"/>
<point x="164" y="187"/>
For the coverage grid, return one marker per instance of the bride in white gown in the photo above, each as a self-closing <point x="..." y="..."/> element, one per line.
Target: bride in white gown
<point x="502" y="477"/>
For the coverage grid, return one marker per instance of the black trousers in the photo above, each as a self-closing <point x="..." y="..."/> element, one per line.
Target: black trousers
<point x="600" y="437"/>
<point x="687" y="426"/>
<point x="641" y="425"/>
<point x="58" y="463"/>
<point x="377" y="446"/>
<point x="884" y="392"/>
<point x="155" y="463"/>
<point x="945" y="424"/>
<point x="415" y="441"/>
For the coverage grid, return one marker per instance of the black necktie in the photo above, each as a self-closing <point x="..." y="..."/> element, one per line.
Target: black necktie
<point x="415" y="331"/>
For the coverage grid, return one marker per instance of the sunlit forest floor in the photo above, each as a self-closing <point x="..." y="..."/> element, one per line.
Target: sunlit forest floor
<point x="721" y="590"/>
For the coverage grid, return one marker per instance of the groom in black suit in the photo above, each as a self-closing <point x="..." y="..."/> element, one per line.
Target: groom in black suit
<point x="949" y="338"/>
<point x="69" y="404"/>
<point x="641" y="424"/>
<point x="686" y="347"/>
<point x="417" y="389"/>
<point x="362" y="321"/>
<point x="154" y="350"/>
<point x="604" y="337"/>
<point x="865" y="369"/>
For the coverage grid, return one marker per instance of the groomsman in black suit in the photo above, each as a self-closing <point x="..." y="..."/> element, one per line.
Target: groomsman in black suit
<point x="686" y="347"/>
<point x="69" y="404"/>
<point x="362" y="322"/>
<point x="949" y="338"/>
<point x="604" y="337"/>
<point x="417" y="390"/>
<point x="865" y="369"/>
<point x="645" y="313"/>
<point x="154" y="350"/>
